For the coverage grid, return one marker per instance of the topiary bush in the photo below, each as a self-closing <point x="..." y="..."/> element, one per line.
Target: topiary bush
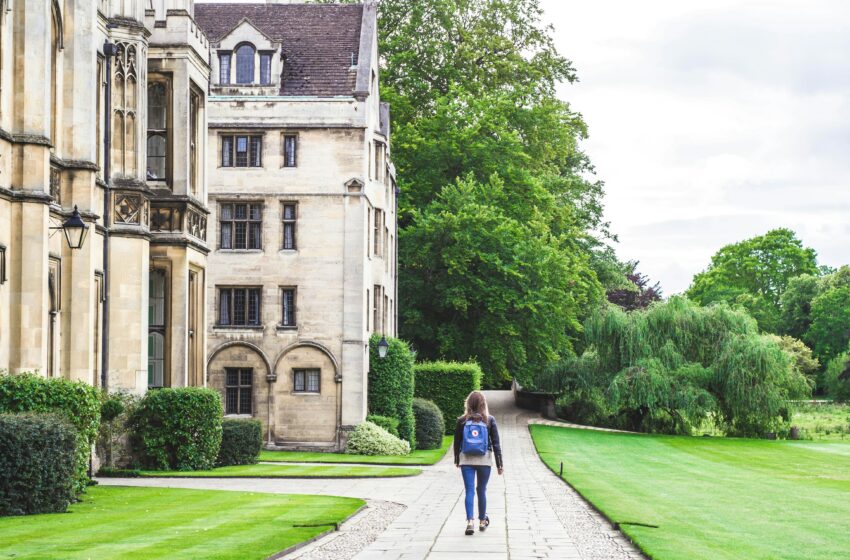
<point x="76" y="401"/>
<point x="37" y="463"/>
<point x="387" y="423"/>
<point x="430" y="425"/>
<point x="370" y="439"/>
<point x="241" y="441"/>
<point x="178" y="429"/>
<point x="447" y="384"/>
<point x="391" y="385"/>
<point x="113" y="439"/>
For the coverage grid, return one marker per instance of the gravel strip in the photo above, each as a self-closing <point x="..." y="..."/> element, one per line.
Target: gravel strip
<point x="354" y="535"/>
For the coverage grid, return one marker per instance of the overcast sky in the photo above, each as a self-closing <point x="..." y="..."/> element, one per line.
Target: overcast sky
<point x="713" y="121"/>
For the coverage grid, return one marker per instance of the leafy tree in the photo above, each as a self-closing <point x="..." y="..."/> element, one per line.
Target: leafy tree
<point x="639" y="294"/>
<point x="830" y="329"/>
<point x="802" y="359"/>
<point x="754" y="274"/>
<point x="796" y="305"/>
<point x="838" y="377"/>
<point x="487" y="284"/>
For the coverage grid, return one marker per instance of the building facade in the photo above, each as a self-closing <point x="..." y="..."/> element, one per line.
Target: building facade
<point x="303" y="199"/>
<point x="103" y="108"/>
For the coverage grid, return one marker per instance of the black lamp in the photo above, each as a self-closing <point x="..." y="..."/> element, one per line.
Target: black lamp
<point x="383" y="346"/>
<point x="75" y="230"/>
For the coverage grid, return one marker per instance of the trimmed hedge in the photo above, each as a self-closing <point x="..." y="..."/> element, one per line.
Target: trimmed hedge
<point x="241" y="442"/>
<point x="370" y="439"/>
<point x="447" y="384"/>
<point x="391" y="385"/>
<point x="37" y="463"/>
<point x="178" y="429"/>
<point x="387" y="423"/>
<point x="77" y="402"/>
<point x="430" y="425"/>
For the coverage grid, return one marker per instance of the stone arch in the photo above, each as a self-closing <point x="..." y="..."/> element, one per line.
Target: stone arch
<point x="311" y="344"/>
<point x="253" y="347"/>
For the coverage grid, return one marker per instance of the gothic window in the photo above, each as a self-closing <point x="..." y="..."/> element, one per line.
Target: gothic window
<point x="224" y="68"/>
<point x="288" y="307"/>
<point x="265" y="68"/>
<point x="245" y="64"/>
<point x="156" y="328"/>
<point x="157" y="130"/>
<point x="124" y="110"/>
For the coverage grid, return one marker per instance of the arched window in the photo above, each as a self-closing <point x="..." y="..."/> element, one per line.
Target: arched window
<point x="245" y="64"/>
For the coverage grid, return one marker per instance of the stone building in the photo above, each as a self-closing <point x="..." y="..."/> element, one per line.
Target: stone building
<point x="103" y="108"/>
<point x="303" y="200"/>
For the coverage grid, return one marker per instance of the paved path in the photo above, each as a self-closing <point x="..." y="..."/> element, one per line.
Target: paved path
<point x="534" y="514"/>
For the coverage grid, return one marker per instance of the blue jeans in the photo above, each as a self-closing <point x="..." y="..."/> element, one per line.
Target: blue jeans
<point x="469" y="472"/>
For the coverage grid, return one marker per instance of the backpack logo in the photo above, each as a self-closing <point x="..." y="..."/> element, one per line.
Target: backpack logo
<point x="476" y="440"/>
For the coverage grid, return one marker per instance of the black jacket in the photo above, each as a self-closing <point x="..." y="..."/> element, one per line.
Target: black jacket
<point x="492" y="431"/>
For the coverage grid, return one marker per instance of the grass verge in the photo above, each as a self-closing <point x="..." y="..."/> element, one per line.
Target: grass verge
<point x="288" y="471"/>
<point x="130" y="523"/>
<point x="419" y="457"/>
<point x="690" y="498"/>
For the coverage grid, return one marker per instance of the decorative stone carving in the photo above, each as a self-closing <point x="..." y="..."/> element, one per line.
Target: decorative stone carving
<point x="197" y="225"/>
<point x="166" y="219"/>
<point x="56" y="184"/>
<point x="129" y="208"/>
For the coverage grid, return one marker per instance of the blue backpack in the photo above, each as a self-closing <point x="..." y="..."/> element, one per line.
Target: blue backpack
<point x="476" y="438"/>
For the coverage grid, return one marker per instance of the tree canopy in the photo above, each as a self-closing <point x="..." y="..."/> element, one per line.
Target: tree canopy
<point x="501" y="229"/>
<point x="754" y="274"/>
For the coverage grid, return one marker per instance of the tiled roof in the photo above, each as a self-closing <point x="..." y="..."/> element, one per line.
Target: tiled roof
<point x="317" y="40"/>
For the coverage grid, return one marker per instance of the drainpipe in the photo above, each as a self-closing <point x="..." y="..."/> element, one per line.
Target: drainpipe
<point x="109" y="50"/>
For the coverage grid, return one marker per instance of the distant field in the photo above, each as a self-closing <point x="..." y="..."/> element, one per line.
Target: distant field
<point x="419" y="457"/>
<point x="822" y="421"/>
<point x="694" y="498"/>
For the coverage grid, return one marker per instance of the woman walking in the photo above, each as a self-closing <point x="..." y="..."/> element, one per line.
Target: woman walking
<point x="476" y="443"/>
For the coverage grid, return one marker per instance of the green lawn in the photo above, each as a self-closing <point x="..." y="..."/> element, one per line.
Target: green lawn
<point x="421" y="457"/>
<point x="712" y="498"/>
<point x="289" y="471"/>
<point x="140" y="523"/>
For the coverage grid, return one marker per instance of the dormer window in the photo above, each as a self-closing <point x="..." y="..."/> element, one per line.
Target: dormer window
<point x="245" y="64"/>
<point x="265" y="68"/>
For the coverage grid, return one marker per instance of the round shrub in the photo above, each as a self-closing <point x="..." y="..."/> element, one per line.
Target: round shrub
<point x="77" y="402"/>
<point x="387" y="423"/>
<point x="391" y="385"/>
<point x="37" y="463"/>
<point x="241" y="441"/>
<point x="178" y="429"/>
<point x="370" y="439"/>
<point x="430" y="425"/>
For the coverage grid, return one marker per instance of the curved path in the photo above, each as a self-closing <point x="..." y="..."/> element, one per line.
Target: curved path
<point x="534" y="514"/>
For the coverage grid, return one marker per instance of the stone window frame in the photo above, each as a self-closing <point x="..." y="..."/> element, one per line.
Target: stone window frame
<point x="286" y="138"/>
<point x="305" y="384"/>
<point x="3" y="278"/>
<point x="251" y="150"/>
<point x="162" y="330"/>
<point x="252" y="225"/>
<point x="377" y="233"/>
<point x="231" y="304"/>
<point x="239" y="388"/>
<point x="291" y="222"/>
<point x="164" y="79"/>
<point x="293" y="324"/>
<point x="196" y="108"/>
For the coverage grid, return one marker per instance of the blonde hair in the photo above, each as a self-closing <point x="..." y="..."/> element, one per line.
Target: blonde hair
<point x="476" y="404"/>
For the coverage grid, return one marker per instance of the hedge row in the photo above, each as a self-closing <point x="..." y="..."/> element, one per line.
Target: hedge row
<point x="74" y="400"/>
<point x="447" y="384"/>
<point x="178" y="429"/>
<point x="37" y="463"/>
<point x="391" y="385"/>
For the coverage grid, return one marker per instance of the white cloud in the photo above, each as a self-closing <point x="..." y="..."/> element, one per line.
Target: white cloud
<point x="712" y="121"/>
